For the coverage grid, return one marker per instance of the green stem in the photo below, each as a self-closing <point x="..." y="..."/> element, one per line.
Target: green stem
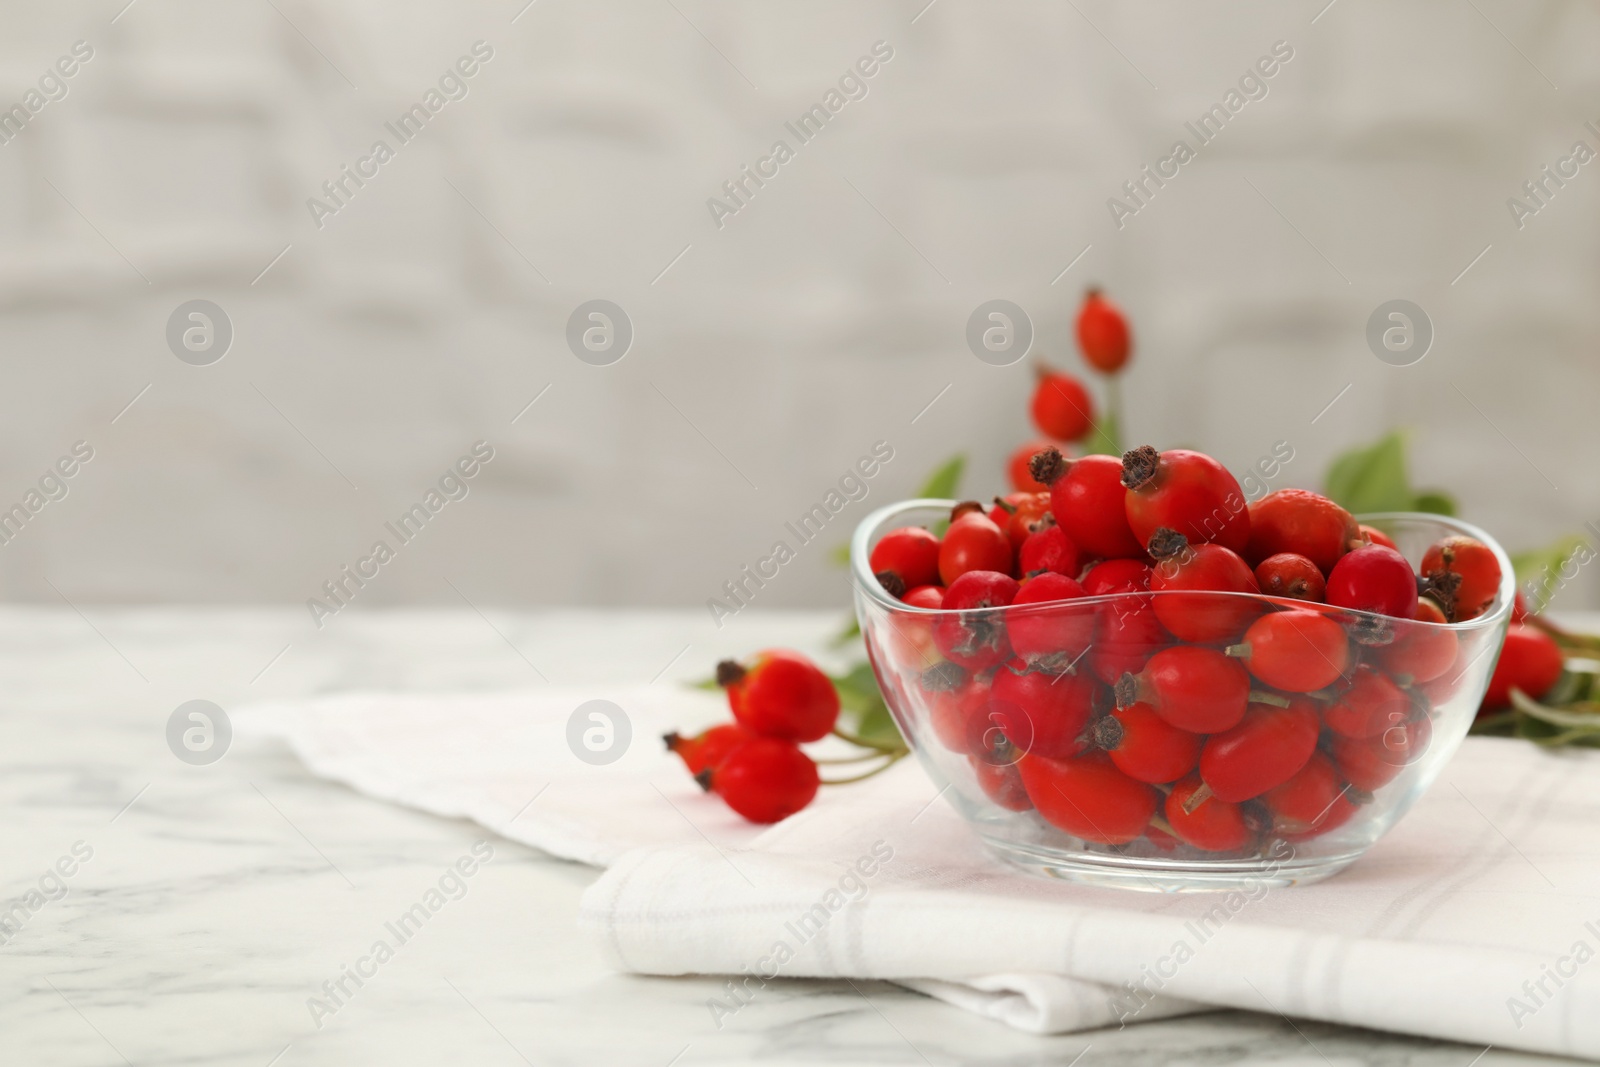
<point x="894" y="758"/>
<point x="1114" y="406"/>
<point x="882" y="746"/>
<point x="850" y="759"/>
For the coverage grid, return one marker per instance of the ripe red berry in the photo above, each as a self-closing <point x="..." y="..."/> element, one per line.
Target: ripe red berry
<point x="1266" y="749"/>
<point x="1184" y="491"/>
<point x="1374" y="536"/>
<point x="1048" y="550"/>
<point x="1368" y="706"/>
<point x="975" y="638"/>
<point x="1305" y="523"/>
<point x="958" y="703"/>
<point x="1530" y="660"/>
<point x="909" y="637"/>
<point x="1376" y="579"/>
<point x="1017" y="467"/>
<point x="707" y="748"/>
<point x="1041" y="713"/>
<point x="1021" y="514"/>
<point x="1088" y="797"/>
<point x="1146" y="747"/>
<point x="1061" y="406"/>
<point x="1200" y="570"/>
<point x="905" y="558"/>
<point x="780" y="694"/>
<point x="973" y="543"/>
<point x="1103" y="333"/>
<point x="1117" y="576"/>
<point x="1290" y="575"/>
<point x="1462" y="574"/>
<point x="765" y="779"/>
<point x="1206" y="821"/>
<point x="1370" y="763"/>
<point x="1001" y="783"/>
<point x="1195" y="689"/>
<point x="1296" y="651"/>
<point x="1086" y="495"/>
<point x="1420" y="653"/>
<point x="1051" y="638"/>
<point x="1127" y="633"/>
<point x="1311" y="803"/>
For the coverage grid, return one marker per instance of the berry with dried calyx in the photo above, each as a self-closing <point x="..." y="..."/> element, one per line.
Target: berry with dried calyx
<point x="904" y="559"/>
<point x="1103" y="334"/>
<point x="1184" y="491"/>
<point x="1197" y="571"/>
<point x="780" y="694"/>
<point x="1305" y="523"/>
<point x="1086" y="495"/>
<point x="707" y="748"/>
<point x="1462" y="574"/>
<point x="765" y="779"/>
<point x="1292" y="576"/>
<point x="973" y="543"/>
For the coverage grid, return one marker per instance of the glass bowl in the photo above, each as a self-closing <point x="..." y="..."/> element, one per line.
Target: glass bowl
<point x="1041" y="768"/>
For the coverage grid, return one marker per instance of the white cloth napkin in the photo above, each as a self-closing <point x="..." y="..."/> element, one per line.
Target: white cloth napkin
<point x="1476" y="919"/>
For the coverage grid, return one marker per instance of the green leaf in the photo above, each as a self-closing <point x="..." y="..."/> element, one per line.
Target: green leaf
<point x="858" y="689"/>
<point x="1539" y="569"/>
<point x="943" y="483"/>
<point x="1106" y="438"/>
<point x="1372" y="478"/>
<point x="1435" y="502"/>
<point x="877" y="725"/>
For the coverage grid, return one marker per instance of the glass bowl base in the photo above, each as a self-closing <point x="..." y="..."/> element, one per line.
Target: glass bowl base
<point x="1109" y="870"/>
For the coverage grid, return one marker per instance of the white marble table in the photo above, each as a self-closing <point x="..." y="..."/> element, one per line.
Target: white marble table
<point x="219" y="898"/>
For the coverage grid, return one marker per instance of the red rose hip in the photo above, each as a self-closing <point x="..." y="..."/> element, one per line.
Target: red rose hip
<point x="972" y="543"/>
<point x="1265" y="750"/>
<point x="1061" y="406"/>
<point x="1291" y="576"/>
<point x="1296" y="651"/>
<point x="765" y="779"/>
<point x="975" y="638"/>
<point x="1376" y="579"/>
<point x="1193" y="688"/>
<point x="1205" y="821"/>
<point x="905" y="558"/>
<point x="1184" y="491"/>
<point x="1146" y="747"/>
<point x="1103" y="334"/>
<point x="1462" y="574"/>
<point x="1304" y="523"/>
<point x="1201" y="570"/>
<point x="1088" y="797"/>
<point x="1086" y="495"/>
<point x="780" y="694"/>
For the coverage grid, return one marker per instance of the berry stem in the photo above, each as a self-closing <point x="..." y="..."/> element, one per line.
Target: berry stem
<point x="850" y="759"/>
<point x="883" y="747"/>
<point x="1261" y="696"/>
<point x="1111" y="427"/>
<point x="894" y="757"/>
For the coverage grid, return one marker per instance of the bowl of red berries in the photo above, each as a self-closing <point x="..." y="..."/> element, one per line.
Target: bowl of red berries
<point x="1140" y="678"/>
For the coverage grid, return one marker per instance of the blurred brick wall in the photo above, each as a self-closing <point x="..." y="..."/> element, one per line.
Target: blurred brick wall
<point x="821" y="318"/>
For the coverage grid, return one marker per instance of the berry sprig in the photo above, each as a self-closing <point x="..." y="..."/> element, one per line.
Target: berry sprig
<point x="779" y="700"/>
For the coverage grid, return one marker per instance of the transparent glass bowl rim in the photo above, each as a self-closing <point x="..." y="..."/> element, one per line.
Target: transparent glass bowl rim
<point x="884" y="518"/>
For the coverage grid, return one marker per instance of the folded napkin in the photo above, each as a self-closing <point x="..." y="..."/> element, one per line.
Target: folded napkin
<point x="1476" y="919"/>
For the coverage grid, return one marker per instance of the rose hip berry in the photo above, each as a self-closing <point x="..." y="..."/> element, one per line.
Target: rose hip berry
<point x="1021" y="514"/>
<point x="975" y="638"/>
<point x="1204" y="820"/>
<point x="1195" y="689"/>
<point x="972" y="543"/>
<point x="1184" y="491"/>
<point x="957" y="701"/>
<point x="1530" y="660"/>
<point x="1373" y="536"/>
<point x="1088" y="797"/>
<point x="1376" y="579"/>
<point x="1017" y="467"/>
<point x="1200" y="569"/>
<point x="1368" y="706"/>
<point x="1311" y="803"/>
<point x="1103" y="333"/>
<point x="1305" y="523"/>
<point x="707" y="748"/>
<point x="1001" y="783"/>
<point x="1146" y="747"/>
<point x="1061" y="406"/>
<point x="905" y="558"/>
<point x="1117" y="576"/>
<point x="1462" y="574"/>
<point x="1040" y="713"/>
<point x="1370" y="763"/>
<point x="1266" y="749"/>
<point x="780" y="694"/>
<point x="764" y="779"/>
<point x="1050" y="638"/>
<point x="1296" y="651"/>
<point x="1126" y="635"/>
<point x="1086" y="495"/>
<point x="1050" y="549"/>
<point x="1420" y="653"/>
<point x="1290" y="575"/>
